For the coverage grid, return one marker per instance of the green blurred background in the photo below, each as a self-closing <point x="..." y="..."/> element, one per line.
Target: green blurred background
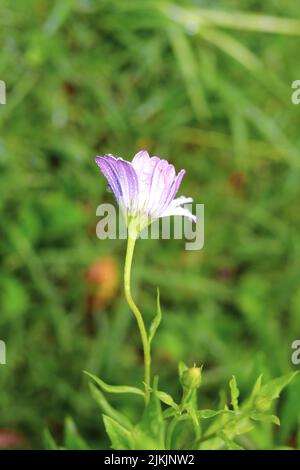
<point x="204" y="84"/>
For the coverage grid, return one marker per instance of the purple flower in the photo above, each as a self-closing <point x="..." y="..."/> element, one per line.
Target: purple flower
<point x="145" y="188"/>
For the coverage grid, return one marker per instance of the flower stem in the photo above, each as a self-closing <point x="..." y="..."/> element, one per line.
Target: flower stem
<point x="139" y="318"/>
<point x="185" y="397"/>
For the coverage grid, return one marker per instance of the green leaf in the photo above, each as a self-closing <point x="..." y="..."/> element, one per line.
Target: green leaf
<point x="72" y="438"/>
<point x="257" y="386"/>
<point x="214" y="443"/>
<point x="271" y="390"/>
<point x="265" y="418"/>
<point x="157" y="319"/>
<point x="49" y="442"/>
<point x="167" y="399"/>
<point x="107" y="408"/>
<point x="233" y="47"/>
<point x="195" y="421"/>
<point x="234" y="393"/>
<point x="237" y="425"/>
<point x="58" y="15"/>
<point x="249" y="402"/>
<point x="181" y="368"/>
<point x="187" y="62"/>
<point x="169" y="413"/>
<point x="229" y="443"/>
<point x="152" y="423"/>
<point x="256" y="389"/>
<point x="211" y="413"/>
<point x="114" y="388"/>
<point x="120" y="437"/>
<point x="195" y="18"/>
<point x="221" y="420"/>
<point x="143" y="441"/>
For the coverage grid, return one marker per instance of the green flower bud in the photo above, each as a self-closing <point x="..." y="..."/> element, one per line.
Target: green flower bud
<point x="191" y="378"/>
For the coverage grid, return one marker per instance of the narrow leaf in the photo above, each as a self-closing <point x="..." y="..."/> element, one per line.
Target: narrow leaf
<point x="114" y="388"/>
<point x="72" y="438"/>
<point x="49" y="442"/>
<point x="234" y="393"/>
<point x="120" y="437"/>
<point x="257" y="387"/>
<point x="272" y="390"/>
<point x="211" y="413"/>
<point x="107" y="408"/>
<point x="181" y="368"/>
<point x="188" y="66"/>
<point x="167" y="399"/>
<point x="157" y="319"/>
<point x="233" y="48"/>
<point x="195" y="18"/>
<point x="265" y="418"/>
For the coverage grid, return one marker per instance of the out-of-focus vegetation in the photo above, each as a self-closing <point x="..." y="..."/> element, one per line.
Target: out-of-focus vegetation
<point x="206" y="84"/>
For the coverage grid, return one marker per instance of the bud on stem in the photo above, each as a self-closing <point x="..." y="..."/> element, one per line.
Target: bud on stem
<point x="191" y="378"/>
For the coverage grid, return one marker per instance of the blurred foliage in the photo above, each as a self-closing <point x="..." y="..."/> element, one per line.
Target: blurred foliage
<point x="207" y="85"/>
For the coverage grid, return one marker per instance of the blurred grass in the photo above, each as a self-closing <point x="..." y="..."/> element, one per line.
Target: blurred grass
<point x="204" y="84"/>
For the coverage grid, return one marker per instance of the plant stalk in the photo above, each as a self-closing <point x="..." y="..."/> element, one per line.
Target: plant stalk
<point x="139" y="318"/>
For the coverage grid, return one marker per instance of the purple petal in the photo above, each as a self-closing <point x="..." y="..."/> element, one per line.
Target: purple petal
<point x="107" y="167"/>
<point x="156" y="177"/>
<point x="170" y="193"/>
<point x="121" y="178"/>
<point x="156" y="183"/>
<point x="144" y="167"/>
<point x="140" y="160"/>
<point x="129" y="183"/>
<point x="161" y="183"/>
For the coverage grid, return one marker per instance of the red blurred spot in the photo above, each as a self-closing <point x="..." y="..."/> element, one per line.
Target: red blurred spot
<point x="10" y="438"/>
<point x="237" y="182"/>
<point x="102" y="278"/>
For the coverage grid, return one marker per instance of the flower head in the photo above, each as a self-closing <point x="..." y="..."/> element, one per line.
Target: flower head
<point x="145" y="188"/>
<point x="191" y="378"/>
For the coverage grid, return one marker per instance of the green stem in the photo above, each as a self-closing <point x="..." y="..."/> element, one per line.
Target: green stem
<point x="170" y="431"/>
<point x="137" y="313"/>
<point x="185" y="397"/>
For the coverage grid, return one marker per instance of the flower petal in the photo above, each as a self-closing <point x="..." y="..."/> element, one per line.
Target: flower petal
<point x="158" y="186"/>
<point x="122" y="179"/>
<point x="144" y="167"/>
<point x="179" y="211"/>
<point x="109" y="171"/>
<point x="129" y="183"/>
<point x="140" y="160"/>
<point x="170" y="194"/>
<point x="179" y="201"/>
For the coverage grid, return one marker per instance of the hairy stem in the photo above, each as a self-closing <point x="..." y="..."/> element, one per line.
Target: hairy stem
<point x="139" y="318"/>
